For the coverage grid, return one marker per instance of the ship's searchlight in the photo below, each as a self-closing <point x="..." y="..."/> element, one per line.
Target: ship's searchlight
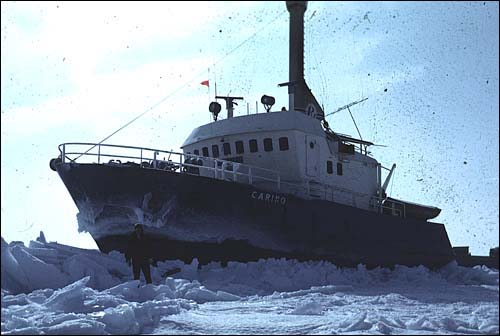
<point x="214" y="108"/>
<point x="268" y="102"/>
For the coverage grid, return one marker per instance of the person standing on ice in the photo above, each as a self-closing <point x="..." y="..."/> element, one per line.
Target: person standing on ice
<point x="138" y="253"/>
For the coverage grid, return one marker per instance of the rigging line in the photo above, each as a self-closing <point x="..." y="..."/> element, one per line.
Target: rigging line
<point x="29" y="227"/>
<point x="324" y="84"/>
<point x="348" y="109"/>
<point x="183" y="85"/>
<point x="251" y="37"/>
<point x="319" y="71"/>
<point x="140" y="115"/>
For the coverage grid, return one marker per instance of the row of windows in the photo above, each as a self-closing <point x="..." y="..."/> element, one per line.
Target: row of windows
<point x="252" y="146"/>
<point x="329" y="167"/>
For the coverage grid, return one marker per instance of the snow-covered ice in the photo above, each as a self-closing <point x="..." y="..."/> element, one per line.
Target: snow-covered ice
<point x="49" y="288"/>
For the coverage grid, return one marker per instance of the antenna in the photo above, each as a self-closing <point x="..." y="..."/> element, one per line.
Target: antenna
<point x="348" y="109"/>
<point x="347" y="106"/>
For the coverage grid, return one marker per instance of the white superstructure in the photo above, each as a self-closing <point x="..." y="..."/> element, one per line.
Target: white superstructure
<point x="295" y="145"/>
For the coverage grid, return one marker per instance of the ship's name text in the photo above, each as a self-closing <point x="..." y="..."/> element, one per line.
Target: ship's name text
<point x="271" y="198"/>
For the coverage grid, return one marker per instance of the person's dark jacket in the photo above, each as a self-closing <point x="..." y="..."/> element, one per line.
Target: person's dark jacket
<point x="138" y="250"/>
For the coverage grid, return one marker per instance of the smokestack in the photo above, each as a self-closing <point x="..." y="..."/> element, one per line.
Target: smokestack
<point x="296" y="53"/>
<point x="299" y="95"/>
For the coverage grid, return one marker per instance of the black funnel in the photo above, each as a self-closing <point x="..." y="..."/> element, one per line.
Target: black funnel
<point x="300" y="96"/>
<point x="296" y="61"/>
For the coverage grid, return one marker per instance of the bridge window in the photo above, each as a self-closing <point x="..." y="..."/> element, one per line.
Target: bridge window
<point x="215" y="151"/>
<point x="339" y="168"/>
<point x="329" y="167"/>
<point x="196" y="152"/>
<point x="239" y="147"/>
<point x="283" y="143"/>
<point x="253" y="146"/>
<point x="268" y="144"/>
<point x="227" y="148"/>
<point x="204" y="150"/>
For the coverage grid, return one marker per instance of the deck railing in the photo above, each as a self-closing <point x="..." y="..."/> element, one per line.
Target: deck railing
<point x="267" y="179"/>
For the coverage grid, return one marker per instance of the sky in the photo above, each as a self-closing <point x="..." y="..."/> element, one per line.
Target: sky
<point x="77" y="72"/>
<point x="56" y="289"/>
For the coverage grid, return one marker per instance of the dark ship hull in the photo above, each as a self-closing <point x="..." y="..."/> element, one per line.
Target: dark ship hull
<point x="190" y="216"/>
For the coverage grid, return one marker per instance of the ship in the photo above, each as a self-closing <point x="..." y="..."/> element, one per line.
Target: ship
<point x="279" y="184"/>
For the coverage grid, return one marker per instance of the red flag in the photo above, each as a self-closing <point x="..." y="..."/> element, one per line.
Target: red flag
<point x="205" y="82"/>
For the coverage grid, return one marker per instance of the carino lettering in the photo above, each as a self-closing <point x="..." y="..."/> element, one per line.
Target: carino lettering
<point x="269" y="198"/>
